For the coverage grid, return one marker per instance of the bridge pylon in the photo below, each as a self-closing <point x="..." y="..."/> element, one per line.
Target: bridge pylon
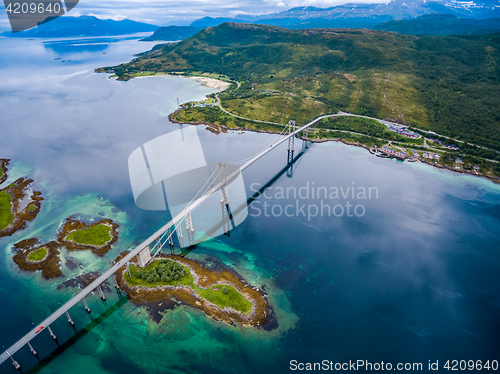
<point x="190" y="228"/>
<point x="305" y="135"/>
<point x="291" y="141"/>
<point x="223" y="180"/>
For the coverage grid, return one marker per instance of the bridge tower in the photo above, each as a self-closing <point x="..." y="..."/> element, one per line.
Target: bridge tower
<point x="291" y="141"/>
<point x="223" y="180"/>
<point x="190" y="228"/>
<point x="305" y="135"/>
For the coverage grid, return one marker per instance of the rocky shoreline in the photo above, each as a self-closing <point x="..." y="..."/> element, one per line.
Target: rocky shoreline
<point x="261" y="314"/>
<point x="72" y="225"/>
<point x="3" y="167"/>
<point x="217" y="129"/>
<point x="49" y="265"/>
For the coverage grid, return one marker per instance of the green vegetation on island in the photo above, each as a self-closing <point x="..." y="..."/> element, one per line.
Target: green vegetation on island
<point x="12" y="217"/>
<point x="6" y="216"/>
<point x="96" y="235"/>
<point x="164" y="272"/>
<point x="37" y="255"/>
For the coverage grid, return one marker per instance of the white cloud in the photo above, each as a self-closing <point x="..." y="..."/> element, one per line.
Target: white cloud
<point x="161" y="12"/>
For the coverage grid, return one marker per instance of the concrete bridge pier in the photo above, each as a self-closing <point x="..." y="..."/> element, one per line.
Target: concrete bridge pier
<point x="305" y="134"/>
<point x="51" y="333"/>
<point x="101" y="294"/>
<point x="32" y="349"/>
<point x="14" y="362"/>
<point x="86" y="305"/>
<point x="69" y="319"/>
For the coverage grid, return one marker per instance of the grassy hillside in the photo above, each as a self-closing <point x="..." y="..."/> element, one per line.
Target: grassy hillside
<point x="448" y="84"/>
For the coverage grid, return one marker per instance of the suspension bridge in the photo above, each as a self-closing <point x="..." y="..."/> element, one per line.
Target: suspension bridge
<point x="145" y="253"/>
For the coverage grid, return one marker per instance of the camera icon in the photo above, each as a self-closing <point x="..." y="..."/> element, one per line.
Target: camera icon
<point x="26" y="14"/>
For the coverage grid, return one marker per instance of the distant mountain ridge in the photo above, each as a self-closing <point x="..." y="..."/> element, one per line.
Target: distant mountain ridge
<point x="83" y="26"/>
<point x="441" y="24"/>
<point x="365" y="15"/>
<point x="172" y="33"/>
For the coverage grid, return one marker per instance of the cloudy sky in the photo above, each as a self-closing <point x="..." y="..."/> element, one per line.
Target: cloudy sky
<point x="165" y="12"/>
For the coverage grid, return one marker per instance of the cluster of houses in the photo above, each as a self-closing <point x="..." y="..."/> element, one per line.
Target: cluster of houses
<point x="448" y="146"/>
<point x="401" y="130"/>
<point x="431" y="156"/>
<point x="393" y="152"/>
<point x="435" y="141"/>
<point x="453" y="147"/>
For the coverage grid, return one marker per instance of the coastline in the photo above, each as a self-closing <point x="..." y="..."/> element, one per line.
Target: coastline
<point x="261" y="314"/>
<point x="212" y="82"/>
<point x="217" y="129"/>
<point x="3" y="168"/>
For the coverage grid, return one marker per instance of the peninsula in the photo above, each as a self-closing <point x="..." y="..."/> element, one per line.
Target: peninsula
<point x="280" y="74"/>
<point x="221" y="295"/>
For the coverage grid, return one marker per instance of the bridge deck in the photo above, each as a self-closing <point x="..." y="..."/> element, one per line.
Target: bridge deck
<point x="87" y="290"/>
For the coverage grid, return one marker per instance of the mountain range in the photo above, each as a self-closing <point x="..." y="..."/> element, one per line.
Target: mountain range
<point x="83" y="26"/>
<point x="416" y="17"/>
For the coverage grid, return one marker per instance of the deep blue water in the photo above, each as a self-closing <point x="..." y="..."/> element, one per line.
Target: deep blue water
<point x="415" y="278"/>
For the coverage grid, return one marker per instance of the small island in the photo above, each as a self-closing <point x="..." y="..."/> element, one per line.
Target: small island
<point x="98" y="237"/>
<point x="16" y="208"/>
<point x="223" y="295"/>
<point x="32" y="257"/>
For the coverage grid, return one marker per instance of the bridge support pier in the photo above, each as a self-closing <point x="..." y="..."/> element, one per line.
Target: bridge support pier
<point x="305" y="134"/>
<point x="86" y="305"/>
<point x="115" y="283"/>
<point x="14" y="362"/>
<point x="32" y="349"/>
<point x="101" y="294"/>
<point x="51" y="333"/>
<point x="69" y="319"/>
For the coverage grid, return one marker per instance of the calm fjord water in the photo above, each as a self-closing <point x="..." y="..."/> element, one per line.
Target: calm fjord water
<point x="416" y="278"/>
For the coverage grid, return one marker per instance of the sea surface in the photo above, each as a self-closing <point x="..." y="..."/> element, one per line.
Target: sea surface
<point x="387" y="261"/>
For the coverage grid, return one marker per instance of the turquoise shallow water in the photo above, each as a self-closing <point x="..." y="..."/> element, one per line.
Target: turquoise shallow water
<point x="413" y="279"/>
